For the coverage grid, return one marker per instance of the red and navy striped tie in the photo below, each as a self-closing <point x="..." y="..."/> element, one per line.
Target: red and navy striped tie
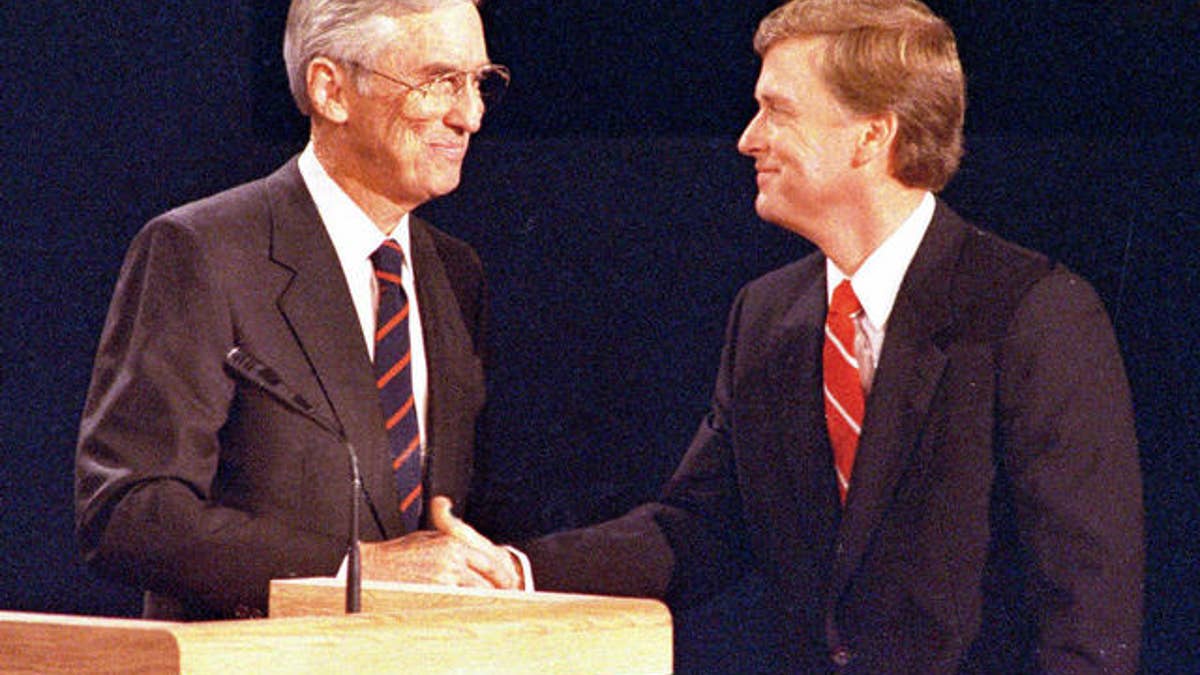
<point x="393" y="377"/>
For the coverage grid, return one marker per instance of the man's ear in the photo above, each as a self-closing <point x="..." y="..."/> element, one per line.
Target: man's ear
<point x="877" y="138"/>
<point x="328" y="84"/>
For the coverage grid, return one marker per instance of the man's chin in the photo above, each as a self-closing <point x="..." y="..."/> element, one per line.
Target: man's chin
<point x="444" y="190"/>
<point x="444" y="185"/>
<point x="762" y="206"/>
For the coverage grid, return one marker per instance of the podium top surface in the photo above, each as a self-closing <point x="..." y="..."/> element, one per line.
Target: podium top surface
<point x="404" y="628"/>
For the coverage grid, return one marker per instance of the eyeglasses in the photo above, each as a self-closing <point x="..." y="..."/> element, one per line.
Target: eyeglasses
<point x="490" y="82"/>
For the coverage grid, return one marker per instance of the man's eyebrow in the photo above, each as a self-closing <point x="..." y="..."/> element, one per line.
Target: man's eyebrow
<point x="436" y="68"/>
<point x="774" y="100"/>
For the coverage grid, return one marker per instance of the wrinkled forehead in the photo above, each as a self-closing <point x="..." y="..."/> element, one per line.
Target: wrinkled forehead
<point x="446" y="38"/>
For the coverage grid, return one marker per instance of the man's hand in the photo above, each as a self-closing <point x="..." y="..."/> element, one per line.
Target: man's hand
<point x="453" y="555"/>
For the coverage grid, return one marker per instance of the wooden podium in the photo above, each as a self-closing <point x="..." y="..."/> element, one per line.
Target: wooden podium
<point x="404" y="628"/>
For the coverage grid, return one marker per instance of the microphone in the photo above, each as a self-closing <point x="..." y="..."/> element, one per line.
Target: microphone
<point x="249" y="368"/>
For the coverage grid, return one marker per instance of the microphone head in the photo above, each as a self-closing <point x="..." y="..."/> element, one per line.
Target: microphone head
<point x="248" y="366"/>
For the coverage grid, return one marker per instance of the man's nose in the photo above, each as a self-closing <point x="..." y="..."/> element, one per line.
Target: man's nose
<point x="751" y="138"/>
<point x="466" y="112"/>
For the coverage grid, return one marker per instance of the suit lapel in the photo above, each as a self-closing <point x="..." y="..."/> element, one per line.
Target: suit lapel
<point x="317" y="307"/>
<point x="797" y="389"/>
<point x="784" y="462"/>
<point x="454" y="373"/>
<point x="909" y="370"/>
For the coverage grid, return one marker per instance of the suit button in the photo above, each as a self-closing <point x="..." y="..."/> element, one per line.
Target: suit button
<point x="841" y="656"/>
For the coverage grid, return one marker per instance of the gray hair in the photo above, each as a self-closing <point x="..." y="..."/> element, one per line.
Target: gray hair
<point x="343" y="30"/>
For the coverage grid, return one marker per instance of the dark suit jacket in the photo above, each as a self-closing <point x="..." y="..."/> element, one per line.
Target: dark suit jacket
<point x="198" y="486"/>
<point x="994" y="518"/>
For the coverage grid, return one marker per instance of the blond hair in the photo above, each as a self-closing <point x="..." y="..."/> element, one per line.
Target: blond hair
<point x="887" y="55"/>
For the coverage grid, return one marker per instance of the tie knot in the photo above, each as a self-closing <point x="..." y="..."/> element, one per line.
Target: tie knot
<point x="844" y="301"/>
<point x="388" y="260"/>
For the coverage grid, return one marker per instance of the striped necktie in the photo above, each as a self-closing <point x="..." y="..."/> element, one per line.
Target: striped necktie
<point x="393" y="377"/>
<point x="844" y="399"/>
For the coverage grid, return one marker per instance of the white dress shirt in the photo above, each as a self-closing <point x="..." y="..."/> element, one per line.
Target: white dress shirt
<point x="877" y="282"/>
<point x="355" y="237"/>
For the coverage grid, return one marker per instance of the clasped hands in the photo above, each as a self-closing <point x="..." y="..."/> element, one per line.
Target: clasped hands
<point x="452" y="554"/>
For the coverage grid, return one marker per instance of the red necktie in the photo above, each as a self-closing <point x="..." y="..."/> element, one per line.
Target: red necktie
<point x="844" y="399"/>
<point x="393" y="377"/>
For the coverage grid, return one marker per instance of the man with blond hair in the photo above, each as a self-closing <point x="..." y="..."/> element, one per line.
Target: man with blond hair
<point x="921" y="435"/>
<point x="197" y="480"/>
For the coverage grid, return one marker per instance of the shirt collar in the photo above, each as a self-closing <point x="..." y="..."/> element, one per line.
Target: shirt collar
<point x="355" y="236"/>
<point x="877" y="281"/>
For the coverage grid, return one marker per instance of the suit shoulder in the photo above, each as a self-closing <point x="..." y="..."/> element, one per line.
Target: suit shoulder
<point x="782" y="296"/>
<point x="988" y="254"/>
<point x="811" y="265"/>
<point x="461" y="267"/>
<point x="782" y="285"/>
<point x="994" y="278"/>
<point x="451" y="247"/>
<point x="459" y="258"/>
<point x="982" y="264"/>
<point x="235" y="219"/>
<point x="231" y="210"/>
<point x="1029" y="273"/>
<point x="236" y="204"/>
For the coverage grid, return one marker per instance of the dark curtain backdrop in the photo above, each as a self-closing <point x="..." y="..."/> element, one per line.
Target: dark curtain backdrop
<point x="615" y="219"/>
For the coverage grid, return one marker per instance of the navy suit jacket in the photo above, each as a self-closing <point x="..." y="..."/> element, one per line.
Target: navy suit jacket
<point x="994" y="521"/>
<point x="199" y="487"/>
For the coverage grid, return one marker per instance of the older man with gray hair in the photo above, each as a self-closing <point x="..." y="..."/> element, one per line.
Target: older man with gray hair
<point x="198" y="484"/>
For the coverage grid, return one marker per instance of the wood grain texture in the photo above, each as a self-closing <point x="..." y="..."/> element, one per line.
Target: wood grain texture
<point x="406" y="629"/>
<point x="534" y="632"/>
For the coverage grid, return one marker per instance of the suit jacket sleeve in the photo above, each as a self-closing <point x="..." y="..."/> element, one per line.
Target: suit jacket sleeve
<point x="147" y="496"/>
<point x="683" y="547"/>
<point x="1069" y="454"/>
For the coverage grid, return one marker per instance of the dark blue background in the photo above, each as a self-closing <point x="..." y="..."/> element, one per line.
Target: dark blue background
<point x="616" y="222"/>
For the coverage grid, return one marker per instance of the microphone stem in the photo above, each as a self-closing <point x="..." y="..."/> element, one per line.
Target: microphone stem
<point x="354" y="554"/>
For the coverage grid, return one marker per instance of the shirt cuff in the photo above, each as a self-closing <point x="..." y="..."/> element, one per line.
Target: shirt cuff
<point x="526" y="568"/>
<point x="522" y="562"/>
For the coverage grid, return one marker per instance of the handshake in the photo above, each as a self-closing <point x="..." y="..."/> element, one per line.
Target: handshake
<point x="451" y="554"/>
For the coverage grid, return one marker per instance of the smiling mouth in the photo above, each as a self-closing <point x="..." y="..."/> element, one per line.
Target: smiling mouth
<point x="454" y="151"/>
